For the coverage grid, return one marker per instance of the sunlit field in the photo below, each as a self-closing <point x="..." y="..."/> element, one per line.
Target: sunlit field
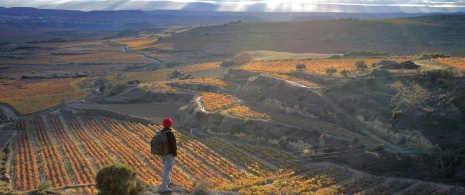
<point x="32" y="96"/>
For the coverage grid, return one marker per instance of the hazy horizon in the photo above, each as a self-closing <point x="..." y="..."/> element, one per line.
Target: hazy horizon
<point x="351" y="6"/>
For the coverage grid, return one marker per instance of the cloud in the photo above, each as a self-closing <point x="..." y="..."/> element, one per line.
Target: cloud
<point x="382" y="6"/>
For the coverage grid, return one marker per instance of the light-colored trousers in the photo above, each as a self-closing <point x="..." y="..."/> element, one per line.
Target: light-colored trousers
<point x="168" y="161"/>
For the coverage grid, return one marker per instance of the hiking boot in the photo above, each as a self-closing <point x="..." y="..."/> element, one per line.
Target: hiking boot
<point x="166" y="191"/>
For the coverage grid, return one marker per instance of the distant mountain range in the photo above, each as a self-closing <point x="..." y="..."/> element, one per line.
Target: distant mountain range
<point x="239" y="6"/>
<point x="190" y="14"/>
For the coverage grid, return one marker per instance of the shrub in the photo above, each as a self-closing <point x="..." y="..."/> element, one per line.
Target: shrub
<point x="144" y="87"/>
<point x="356" y="140"/>
<point x="396" y="114"/>
<point x="301" y="97"/>
<point x="300" y="66"/>
<point x="306" y="152"/>
<point x="330" y="71"/>
<point x="43" y="186"/>
<point x="118" y="179"/>
<point x="361" y="65"/>
<point x="379" y="148"/>
<point x="200" y="188"/>
<point x="345" y="73"/>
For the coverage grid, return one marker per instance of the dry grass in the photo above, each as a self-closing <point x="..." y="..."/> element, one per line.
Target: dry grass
<point x="143" y="77"/>
<point x="201" y="67"/>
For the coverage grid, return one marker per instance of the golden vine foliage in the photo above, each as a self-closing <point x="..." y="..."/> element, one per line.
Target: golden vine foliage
<point x="33" y="96"/>
<point x="224" y="165"/>
<point x="216" y="101"/>
<point x="205" y="81"/>
<point x="458" y="63"/>
<point x="163" y="87"/>
<point x="317" y="66"/>
<point x="246" y="112"/>
<point x="201" y="67"/>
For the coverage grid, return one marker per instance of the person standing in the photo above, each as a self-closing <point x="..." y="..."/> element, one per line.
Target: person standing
<point x="168" y="160"/>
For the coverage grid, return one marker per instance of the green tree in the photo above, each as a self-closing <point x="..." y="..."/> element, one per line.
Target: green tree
<point x="331" y="71"/>
<point x="361" y="65"/>
<point x="118" y="179"/>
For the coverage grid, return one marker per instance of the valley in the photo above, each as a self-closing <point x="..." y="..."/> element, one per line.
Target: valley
<point x="258" y="107"/>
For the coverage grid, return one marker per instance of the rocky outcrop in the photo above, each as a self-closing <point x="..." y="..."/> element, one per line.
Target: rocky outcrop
<point x="282" y="96"/>
<point x="252" y="130"/>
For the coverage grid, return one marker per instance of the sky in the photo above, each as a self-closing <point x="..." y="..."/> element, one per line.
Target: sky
<point x="408" y="6"/>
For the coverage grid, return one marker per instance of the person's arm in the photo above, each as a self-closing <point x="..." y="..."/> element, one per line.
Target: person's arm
<point x="172" y="143"/>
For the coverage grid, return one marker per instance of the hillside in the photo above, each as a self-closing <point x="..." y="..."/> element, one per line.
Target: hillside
<point x="397" y="36"/>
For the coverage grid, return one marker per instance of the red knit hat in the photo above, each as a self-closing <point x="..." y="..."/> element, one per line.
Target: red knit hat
<point x="167" y="122"/>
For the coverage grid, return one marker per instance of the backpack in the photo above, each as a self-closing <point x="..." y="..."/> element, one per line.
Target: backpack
<point x="159" y="144"/>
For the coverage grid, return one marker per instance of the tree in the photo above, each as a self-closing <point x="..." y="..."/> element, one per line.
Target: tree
<point x="118" y="179"/>
<point x="361" y="65"/>
<point x="300" y="66"/>
<point x="330" y="71"/>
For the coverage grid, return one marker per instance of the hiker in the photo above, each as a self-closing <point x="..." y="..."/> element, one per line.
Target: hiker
<point x="168" y="160"/>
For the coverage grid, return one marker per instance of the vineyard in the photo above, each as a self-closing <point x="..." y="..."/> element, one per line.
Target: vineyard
<point x="245" y="112"/>
<point x="316" y="66"/>
<point x="458" y="63"/>
<point x="32" y="96"/>
<point x="69" y="150"/>
<point x="216" y="101"/>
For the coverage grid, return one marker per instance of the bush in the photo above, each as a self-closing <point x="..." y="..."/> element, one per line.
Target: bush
<point x="379" y="148"/>
<point x="300" y="66"/>
<point x="118" y="179"/>
<point x="396" y="114"/>
<point x="144" y="87"/>
<point x="355" y="140"/>
<point x="330" y="71"/>
<point x="306" y="152"/>
<point x="200" y="188"/>
<point x="43" y="186"/>
<point x="361" y="65"/>
<point x="429" y="55"/>
<point x="345" y="73"/>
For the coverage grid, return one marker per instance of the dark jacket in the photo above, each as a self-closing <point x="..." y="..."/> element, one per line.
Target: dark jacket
<point x="171" y="141"/>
